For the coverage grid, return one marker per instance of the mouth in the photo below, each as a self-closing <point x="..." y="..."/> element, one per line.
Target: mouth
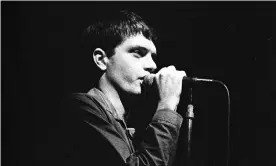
<point x="142" y="79"/>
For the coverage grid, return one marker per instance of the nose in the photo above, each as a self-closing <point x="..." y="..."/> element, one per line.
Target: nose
<point x="150" y="65"/>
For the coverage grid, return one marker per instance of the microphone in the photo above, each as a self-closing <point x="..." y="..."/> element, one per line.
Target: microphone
<point x="148" y="79"/>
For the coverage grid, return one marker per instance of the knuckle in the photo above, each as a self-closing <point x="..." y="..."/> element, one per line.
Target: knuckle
<point x="169" y="67"/>
<point x="172" y="67"/>
<point x="171" y="72"/>
<point x="163" y="69"/>
<point x="183" y="73"/>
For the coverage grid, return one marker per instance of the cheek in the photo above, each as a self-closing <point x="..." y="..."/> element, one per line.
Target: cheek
<point x="123" y="70"/>
<point x="128" y="72"/>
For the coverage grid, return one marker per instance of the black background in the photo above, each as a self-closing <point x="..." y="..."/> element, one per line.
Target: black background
<point x="227" y="41"/>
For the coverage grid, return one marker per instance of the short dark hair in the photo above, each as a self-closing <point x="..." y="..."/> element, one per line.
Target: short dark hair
<point x="113" y="28"/>
<point x="107" y="32"/>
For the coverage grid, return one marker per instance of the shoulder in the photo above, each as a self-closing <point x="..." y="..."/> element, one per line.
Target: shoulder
<point x="78" y="109"/>
<point x="75" y="141"/>
<point x="82" y="105"/>
<point x="82" y="99"/>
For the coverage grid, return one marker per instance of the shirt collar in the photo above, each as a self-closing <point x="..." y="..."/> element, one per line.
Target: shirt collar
<point x="107" y="105"/>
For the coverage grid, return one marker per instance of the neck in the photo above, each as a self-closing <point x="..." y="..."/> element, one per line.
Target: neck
<point x="113" y="96"/>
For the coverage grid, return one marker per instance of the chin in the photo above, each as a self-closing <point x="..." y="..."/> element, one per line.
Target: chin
<point x="135" y="91"/>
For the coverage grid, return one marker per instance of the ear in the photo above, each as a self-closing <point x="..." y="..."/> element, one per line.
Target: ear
<point x="100" y="58"/>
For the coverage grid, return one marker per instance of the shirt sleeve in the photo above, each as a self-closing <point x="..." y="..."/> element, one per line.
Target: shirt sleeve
<point x="160" y="139"/>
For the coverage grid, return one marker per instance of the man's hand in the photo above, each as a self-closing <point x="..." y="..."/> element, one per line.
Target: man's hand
<point x="169" y="86"/>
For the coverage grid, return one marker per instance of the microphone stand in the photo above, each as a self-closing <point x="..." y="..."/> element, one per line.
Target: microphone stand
<point x="189" y="118"/>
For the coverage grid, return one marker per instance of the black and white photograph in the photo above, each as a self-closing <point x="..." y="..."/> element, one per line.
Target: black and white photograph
<point x="138" y="83"/>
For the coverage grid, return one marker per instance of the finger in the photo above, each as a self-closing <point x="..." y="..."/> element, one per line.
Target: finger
<point x="172" y="68"/>
<point x="182" y="73"/>
<point x="162" y="69"/>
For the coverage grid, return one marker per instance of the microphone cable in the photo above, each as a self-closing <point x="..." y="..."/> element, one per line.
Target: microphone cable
<point x="228" y="120"/>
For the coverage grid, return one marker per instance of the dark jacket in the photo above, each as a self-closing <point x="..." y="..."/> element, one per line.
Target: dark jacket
<point x="93" y="134"/>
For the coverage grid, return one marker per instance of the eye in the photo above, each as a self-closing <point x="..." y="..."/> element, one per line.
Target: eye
<point x="138" y="53"/>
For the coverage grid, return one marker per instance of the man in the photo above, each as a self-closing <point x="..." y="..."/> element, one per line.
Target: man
<point x="95" y="130"/>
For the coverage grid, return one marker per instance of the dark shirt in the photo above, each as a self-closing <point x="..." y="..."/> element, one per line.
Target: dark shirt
<point x="93" y="134"/>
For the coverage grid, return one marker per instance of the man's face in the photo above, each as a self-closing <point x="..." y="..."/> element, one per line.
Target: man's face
<point x="132" y="60"/>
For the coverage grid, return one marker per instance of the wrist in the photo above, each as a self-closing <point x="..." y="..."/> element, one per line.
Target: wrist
<point x="168" y="104"/>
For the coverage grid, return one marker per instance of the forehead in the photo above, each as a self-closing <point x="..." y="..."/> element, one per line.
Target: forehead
<point x="138" y="40"/>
